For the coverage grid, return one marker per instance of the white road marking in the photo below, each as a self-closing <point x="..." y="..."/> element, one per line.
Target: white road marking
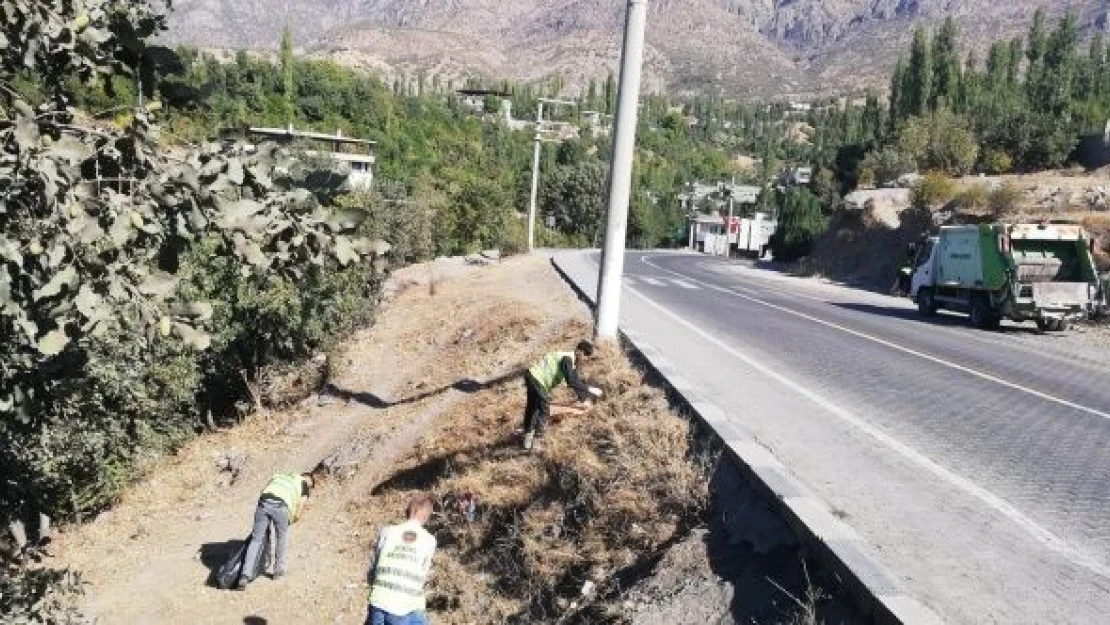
<point x="985" y="338"/>
<point x="682" y="283"/>
<point x="652" y="281"/>
<point x="1044" y="536"/>
<point x="906" y="350"/>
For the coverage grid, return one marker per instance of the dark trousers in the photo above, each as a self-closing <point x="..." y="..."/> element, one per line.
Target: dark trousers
<point x="537" y="409"/>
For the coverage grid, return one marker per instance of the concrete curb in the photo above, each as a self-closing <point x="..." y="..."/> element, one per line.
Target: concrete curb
<point x="875" y="589"/>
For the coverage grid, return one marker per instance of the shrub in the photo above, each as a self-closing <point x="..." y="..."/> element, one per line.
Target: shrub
<point x="1004" y="200"/>
<point x="997" y="162"/>
<point x="887" y="165"/>
<point x="867" y="178"/>
<point x="974" y="197"/>
<point x="932" y="190"/>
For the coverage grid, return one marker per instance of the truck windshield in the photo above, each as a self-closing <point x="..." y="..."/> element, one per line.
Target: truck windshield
<point x="924" y="253"/>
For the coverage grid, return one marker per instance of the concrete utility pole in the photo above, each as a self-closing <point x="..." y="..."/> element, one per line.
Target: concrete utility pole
<point x="536" y="170"/>
<point x="620" y="172"/>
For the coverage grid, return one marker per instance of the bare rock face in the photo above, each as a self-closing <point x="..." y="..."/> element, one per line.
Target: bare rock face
<point x="757" y="47"/>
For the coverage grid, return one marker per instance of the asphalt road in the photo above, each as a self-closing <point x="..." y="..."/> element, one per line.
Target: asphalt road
<point x="975" y="465"/>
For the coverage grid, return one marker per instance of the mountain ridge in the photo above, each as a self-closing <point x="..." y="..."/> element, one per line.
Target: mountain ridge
<point x="756" y="47"/>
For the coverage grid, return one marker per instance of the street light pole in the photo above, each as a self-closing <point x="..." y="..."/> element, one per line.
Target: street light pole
<point x="536" y="170"/>
<point x="535" y="181"/>
<point x="620" y="172"/>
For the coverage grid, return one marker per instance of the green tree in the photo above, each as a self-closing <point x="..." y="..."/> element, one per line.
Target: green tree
<point x="918" y="90"/>
<point x="871" y="118"/>
<point x="887" y="164"/>
<point x="610" y="94"/>
<point x="898" y="102"/>
<point x="288" y="86"/>
<point x="574" y="195"/>
<point x="946" y="65"/>
<point x="941" y="141"/>
<point x="801" y="222"/>
<point x="998" y="71"/>
<point x="971" y="86"/>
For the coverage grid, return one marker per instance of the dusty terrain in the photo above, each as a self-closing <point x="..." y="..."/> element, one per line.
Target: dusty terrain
<point x="620" y="519"/>
<point x="148" y="559"/>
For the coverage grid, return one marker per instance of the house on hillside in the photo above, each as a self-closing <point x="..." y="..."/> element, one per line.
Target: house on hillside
<point x="351" y="156"/>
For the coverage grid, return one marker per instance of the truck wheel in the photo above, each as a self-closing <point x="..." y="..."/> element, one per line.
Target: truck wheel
<point x="926" y="305"/>
<point x="1062" y="325"/>
<point x="983" y="315"/>
<point x="1044" y="325"/>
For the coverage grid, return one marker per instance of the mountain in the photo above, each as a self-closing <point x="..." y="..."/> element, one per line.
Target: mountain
<point x="758" y="47"/>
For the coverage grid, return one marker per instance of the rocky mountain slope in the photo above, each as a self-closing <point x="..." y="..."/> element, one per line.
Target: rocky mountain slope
<point x="760" y="47"/>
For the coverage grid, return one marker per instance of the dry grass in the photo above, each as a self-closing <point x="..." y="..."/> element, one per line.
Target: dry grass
<point x="609" y="490"/>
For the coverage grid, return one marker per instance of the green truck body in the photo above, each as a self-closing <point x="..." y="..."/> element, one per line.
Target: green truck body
<point x="1028" y="272"/>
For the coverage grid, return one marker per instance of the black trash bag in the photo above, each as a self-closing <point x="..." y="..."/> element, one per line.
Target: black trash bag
<point x="229" y="572"/>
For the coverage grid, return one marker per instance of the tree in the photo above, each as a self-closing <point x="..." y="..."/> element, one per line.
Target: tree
<point x="610" y="94"/>
<point x="1060" y="59"/>
<point x="919" y="75"/>
<point x="886" y="165"/>
<point x="898" y="102"/>
<point x="970" y="85"/>
<point x="288" y="86"/>
<point x="1014" y="68"/>
<point x="998" y="67"/>
<point x="1035" y="54"/>
<point x="574" y="196"/>
<point x="946" y="65"/>
<point x="941" y="141"/>
<point x="871" y="118"/>
<point x="800" y="223"/>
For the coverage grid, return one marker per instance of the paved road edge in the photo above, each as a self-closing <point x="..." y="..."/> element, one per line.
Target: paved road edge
<point x="875" y="589"/>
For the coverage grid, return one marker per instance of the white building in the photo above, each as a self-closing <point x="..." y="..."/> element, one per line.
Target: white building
<point x="352" y="156"/>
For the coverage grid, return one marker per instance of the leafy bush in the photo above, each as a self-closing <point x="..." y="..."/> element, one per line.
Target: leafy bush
<point x="932" y="190"/>
<point x="997" y="162"/>
<point x="137" y="289"/>
<point x="940" y="140"/>
<point x="887" y="165"/>
<point x="800" y="223"/>
<point x="40" y="595"/>
<point x="1004" y="200"/>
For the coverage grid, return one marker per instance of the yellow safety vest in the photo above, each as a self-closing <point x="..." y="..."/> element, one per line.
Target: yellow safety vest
<point x="547" y="371"/>
<point x="287" y="487"/>
<point x="403" y="560"/>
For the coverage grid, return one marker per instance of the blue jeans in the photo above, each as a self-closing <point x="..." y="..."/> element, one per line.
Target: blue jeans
<point x="379" y="616"/>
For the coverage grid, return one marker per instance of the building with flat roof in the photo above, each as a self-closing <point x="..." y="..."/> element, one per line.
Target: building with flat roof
<point x="354" y="156"/>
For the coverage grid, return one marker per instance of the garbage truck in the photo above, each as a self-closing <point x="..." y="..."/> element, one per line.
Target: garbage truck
<point x="1026" y="272"/>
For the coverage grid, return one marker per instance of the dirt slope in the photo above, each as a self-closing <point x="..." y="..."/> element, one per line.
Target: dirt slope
<point x="627" y="515"/>
<point x="147" y="560"/>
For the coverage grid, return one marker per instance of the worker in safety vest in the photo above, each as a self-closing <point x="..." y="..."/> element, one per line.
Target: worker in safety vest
<point x="402" y="559"/>
<point x="282" y="503"/>
<point x="551" y="371"/>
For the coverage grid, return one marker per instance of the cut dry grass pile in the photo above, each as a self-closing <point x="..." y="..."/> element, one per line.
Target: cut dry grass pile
<point x="608" y="492"/>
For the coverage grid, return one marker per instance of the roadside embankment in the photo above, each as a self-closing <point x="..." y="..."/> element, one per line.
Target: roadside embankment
<point x="865" y="244"/>
<point x="627" y="514"/>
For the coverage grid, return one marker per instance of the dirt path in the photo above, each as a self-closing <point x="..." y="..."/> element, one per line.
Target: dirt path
<point x="148" y="559"/>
